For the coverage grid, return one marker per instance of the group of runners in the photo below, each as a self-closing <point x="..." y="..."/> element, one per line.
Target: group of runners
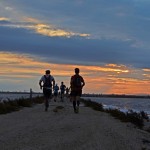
<point x="47" y="83"/>
<point x="60" y="91"/>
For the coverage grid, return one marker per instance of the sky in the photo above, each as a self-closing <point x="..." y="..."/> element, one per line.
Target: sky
<point x="108" y="40"/>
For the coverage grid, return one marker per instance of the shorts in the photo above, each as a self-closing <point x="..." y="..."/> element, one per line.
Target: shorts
<point x="76" y="93"/>
<point x="62" y="92"/>
<point x="47" y="93"/>
<point x="55" y="94"/>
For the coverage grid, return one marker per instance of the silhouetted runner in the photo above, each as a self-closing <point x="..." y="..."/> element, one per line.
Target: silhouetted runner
<point x="56" y="89"/>
<point x="77" y="83"/>
<point x="47" y="81"/>
<point x="62" y="91"/>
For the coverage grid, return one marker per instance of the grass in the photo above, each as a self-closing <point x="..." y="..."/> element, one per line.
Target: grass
<point x="133" y="117"/>
<point x="93" y="105"/>
<point x="15" y="105"/>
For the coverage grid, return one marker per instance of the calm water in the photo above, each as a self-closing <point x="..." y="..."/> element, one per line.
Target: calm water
<point x="124" y="104"/>
<point x="12" y="96"/>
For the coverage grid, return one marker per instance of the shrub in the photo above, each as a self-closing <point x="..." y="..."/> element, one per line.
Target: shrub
<point x="93" y="105"/>
<point x="133" y="117"/>
<point x="144" y="115"/>
<point x="2" y="108"/>
<point x="117" y="114"/>
<point x="15" y="105"/>
<point x="38" y="100"/>
<point x="136" y="119"/>
<point x="24" y="102"/>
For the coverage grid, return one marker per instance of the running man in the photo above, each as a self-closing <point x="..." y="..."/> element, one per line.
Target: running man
<point x="62" y="90"/>
<point x="47" y="81"/>
<point x="67" y="92"/>
<point x="56" y="89"/>
<point x="77" y="83"/>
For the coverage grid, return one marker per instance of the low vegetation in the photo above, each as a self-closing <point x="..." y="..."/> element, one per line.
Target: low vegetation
<point x="133" y="117"/>
<point x="137" y="119"/>
<point x="8" y="105"/>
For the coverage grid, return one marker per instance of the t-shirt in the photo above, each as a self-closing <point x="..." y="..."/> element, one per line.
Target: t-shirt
<point x="47" y="81"/>
<point x="56" y="88"/>
<point x="62" y="88"/>
<point x="76" y="82"/>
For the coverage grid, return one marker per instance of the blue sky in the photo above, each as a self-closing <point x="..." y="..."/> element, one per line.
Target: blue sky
<point x="80" y="32"/>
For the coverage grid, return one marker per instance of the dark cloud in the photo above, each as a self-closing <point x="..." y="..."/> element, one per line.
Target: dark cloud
<point x="4" y="22"/>
<point x="118" y="28"/>
<point x="75" y="50"/>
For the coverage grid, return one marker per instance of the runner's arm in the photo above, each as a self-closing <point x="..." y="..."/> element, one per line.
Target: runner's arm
<point x="40" y="83"/>
<point x="71" y="81"/>
<point x="83" y="83"/>
<point x="53" y="82"/>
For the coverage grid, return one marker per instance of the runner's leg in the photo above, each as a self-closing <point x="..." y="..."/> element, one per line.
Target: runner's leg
<point x="78" y="100"/>
<point x="46" y="104"/>
<point x="74" y="103"/>
<point x="78" y="103"/>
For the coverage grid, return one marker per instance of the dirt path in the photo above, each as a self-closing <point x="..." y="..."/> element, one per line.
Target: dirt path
<point x="34" y="129"/>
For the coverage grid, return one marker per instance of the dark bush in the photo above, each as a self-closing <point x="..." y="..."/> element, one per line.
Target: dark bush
<point x="15" y="105"/>
<point x="3" y="109"/>
<point x="93" y="105"/>
<point x="144" y="115"/>
<point x="133" y="117"/>
<point x="38" y="100"/>
<point x="136" y="119"/>
<point x="117" y="114"/>
<point x="24" y="102"/>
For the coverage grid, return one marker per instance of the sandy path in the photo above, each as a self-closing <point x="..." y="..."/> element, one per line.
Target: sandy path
<point x="34" y="129"/>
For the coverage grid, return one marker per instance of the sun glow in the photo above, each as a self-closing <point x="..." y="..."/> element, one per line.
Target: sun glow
<point x="99" y="79"/>
<point x="4" y="19"/>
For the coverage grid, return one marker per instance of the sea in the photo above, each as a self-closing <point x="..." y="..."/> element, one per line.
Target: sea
<point x="5" y="96"/>
<point x="123" y="104"/>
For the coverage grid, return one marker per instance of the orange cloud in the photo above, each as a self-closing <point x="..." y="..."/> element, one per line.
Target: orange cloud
<point x="99" y="79"/>
<point x="4" y="19"/>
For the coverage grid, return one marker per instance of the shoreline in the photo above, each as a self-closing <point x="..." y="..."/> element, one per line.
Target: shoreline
<point x="86" y="95"/>
<point x="139" y="119"/>
<point x="117" y="106"/>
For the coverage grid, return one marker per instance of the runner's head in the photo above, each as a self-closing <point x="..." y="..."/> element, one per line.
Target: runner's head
<point x="47" y="71"/>
<point x="62" y="83"/>
<point x="77" y="70"/>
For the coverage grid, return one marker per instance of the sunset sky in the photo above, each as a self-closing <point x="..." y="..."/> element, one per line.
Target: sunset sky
<point x="108" y="40"/>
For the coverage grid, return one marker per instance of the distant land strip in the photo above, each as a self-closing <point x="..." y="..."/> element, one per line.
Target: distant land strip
<point x="116" y="95"/>
<point x="88" y="95"/>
